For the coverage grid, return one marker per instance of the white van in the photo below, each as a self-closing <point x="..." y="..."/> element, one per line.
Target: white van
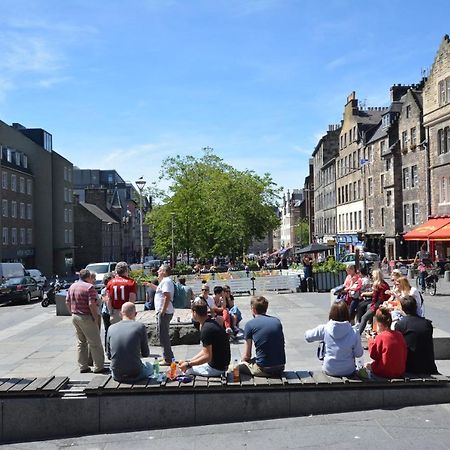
<point x="11" y="270"/>
<point x="101" y="268"/>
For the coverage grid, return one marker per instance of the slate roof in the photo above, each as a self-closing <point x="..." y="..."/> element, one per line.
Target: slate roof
<point x="97" y="212"/>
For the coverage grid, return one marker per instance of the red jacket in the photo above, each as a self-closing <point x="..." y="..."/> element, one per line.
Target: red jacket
<point x="388" y="351"/>
<point x="379" y="295"/>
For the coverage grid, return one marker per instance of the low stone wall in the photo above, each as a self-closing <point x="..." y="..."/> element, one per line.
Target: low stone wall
<point x="180" y="334"/>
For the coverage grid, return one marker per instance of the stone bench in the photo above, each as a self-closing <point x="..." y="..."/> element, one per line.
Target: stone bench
<point x="106" y="406"/>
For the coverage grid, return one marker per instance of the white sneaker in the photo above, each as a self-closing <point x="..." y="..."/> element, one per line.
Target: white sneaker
<point x="229" y="331"/>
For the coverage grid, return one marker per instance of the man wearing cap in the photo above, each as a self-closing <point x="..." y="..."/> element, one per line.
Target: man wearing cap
<point x="120" y="289"/>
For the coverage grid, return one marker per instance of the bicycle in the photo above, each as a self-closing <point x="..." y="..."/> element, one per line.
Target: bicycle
<point x="431" y="279"/>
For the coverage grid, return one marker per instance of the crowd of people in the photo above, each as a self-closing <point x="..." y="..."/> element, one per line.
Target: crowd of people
<point x="400" y="338"/>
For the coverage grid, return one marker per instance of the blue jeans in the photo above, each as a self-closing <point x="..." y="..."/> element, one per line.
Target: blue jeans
<point x="146" y="372"/>
<point x="422" y="277"/>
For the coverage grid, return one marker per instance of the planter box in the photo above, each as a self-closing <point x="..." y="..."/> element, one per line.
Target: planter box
<point x="325" y="281"/>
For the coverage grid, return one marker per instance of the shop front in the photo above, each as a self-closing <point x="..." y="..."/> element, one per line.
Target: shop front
<point x="347" y="243"/>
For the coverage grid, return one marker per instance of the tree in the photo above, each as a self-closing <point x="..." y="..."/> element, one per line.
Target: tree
<point x="218" y="210"/>
<point x="302" y="232"/>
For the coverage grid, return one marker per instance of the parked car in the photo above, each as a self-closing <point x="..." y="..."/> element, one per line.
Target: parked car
<point x="101" y="268"/>
<point x="21" y="289"/>
<point x="366" y="259"/>
<point x="37" y="275"/>
<point x="9" y="270"/>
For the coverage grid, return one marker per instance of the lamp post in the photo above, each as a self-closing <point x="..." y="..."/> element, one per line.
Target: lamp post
<point x="173" y="240"/>
<point x="140" y="185"/>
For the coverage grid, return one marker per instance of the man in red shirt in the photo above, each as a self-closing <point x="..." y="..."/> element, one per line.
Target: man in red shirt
<point x="120" y="289"/>
<point x="81" y="301"/>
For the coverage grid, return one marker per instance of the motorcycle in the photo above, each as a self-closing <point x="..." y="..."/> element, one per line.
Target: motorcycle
<point x="50" y="295"/>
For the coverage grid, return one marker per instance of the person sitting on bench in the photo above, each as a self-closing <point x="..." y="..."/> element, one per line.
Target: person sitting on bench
<point x="267" y="334"/>
<point x="214" y="357"/>
<point x="418" y="334"/>
<point x="127" y="341"/>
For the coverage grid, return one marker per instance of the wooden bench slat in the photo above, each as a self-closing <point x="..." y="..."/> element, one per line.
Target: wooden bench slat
<point x="7" y="385"/>
<point x="246" y="380"/>
<point x="141" y="384"/>
<point x="3" y="380"/>
<point x="189" y="384"/>
<point x="38" y="384"/>
<point x="261" y="381"/>
<point x="305" y="377"/>
<point x="200" y="382"/>
<point x="214" y="383"/>
<point x="275" y="381"/>
<point x="21" y="384"/>
<point x="290" y="377"/>
<point x="55" y="384"/>
<point x="111" y="384"/>
<point x="98" y="382"/>
<point x="153" y="383"/>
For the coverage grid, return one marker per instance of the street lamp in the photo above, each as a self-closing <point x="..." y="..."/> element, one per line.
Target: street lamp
<point x="140" y="185"/>
<point x="173" y="241"/>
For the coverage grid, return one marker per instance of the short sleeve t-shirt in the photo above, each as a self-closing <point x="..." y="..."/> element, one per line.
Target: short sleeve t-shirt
<point x="211" y="333"/>
<point x="267" y="334"/>
<point x="165" y="285"/>
<point x="119" y="290"/>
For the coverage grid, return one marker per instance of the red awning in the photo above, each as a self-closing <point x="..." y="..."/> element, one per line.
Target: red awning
<point x="428" y="230"/>
<point x="443" y="234"/>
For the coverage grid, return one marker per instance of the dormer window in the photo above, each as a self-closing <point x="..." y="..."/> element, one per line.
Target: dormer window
<point x="18" y="158"/>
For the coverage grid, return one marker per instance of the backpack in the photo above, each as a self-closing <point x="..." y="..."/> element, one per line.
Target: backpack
<point x="179" y="295"/>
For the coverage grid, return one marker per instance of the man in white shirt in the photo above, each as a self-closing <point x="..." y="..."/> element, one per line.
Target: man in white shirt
<point x="164" y="310"/>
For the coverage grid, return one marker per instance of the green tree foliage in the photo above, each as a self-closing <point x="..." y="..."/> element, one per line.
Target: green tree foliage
<point x="217" y="209"/>
<point x="302" y="232"/>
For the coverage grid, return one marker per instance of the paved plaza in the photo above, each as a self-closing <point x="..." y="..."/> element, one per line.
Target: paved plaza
<point x="35" y="342"/>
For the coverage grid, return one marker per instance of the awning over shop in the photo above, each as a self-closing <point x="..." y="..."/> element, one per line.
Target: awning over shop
<point x="443" y="234"/>
<point x="430" y="230"/>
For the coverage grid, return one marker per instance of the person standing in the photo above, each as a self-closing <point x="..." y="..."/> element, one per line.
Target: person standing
<point x="189" y="298"/>
<point x="120" y="289"/>
<point x="164" y="310"/>
<point x="267" y="334"/>
<point x="424" y="258"/>
<point x="214" y="357"/>
<point x="81" y="301"/>
<point x="127" y="342"/>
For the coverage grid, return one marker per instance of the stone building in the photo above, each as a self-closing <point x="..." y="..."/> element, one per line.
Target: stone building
<point x="291" y="211"/>
<point x="324" y="169"/>
<point x="357" y="128"/>
<point x="45" y="195"/>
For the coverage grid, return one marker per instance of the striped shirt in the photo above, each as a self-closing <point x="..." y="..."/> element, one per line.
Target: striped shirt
<point x="80" y="295"/>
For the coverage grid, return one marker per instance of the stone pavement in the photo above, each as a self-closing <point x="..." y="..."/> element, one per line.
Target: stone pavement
<point x="34" y="342"/>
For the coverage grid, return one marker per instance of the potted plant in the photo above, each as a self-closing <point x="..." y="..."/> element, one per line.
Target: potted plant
<point x="328" y="274"/>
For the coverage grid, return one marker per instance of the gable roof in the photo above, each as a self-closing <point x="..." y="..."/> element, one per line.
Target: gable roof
<point x="97" y="212"/>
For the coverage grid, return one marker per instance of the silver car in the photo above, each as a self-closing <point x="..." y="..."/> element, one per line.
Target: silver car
<point x="38" y="276"/>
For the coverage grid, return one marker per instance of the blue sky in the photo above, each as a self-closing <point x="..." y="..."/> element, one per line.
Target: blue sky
<point x="122" y="85"/>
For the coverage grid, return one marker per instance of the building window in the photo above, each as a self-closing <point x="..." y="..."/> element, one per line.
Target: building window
<point x="388" y="198"/>
<point x="346" y="193"/>
<point x="346" y="221"/>
<point x="406" y="215"/>
<point x="65" y="173"/>
<point x="443" y="191"/>
<point x="13" y="209"/>
<point x="5" y="236"/>
<point x="414" y="176"/>
<point x="354" y="191"/>
<point x="13" y="236"/>
<point x="370" y="153"/>
<point x="13" y="182"/>
<point x="382" y="217"/>
<point x="48" y="141"/>
<point x="29" y="187"/>
<point x="359" y="188"/>
<point x="18" y="159"/>
<point x="388" y="164"/>
<point x="29" y="236"/>
<point x="25" y="161"/>
<point x="69" y="175"/>
<point x="442" y="141"/>
<point x="351" y="221"/>
<point x="370" y="212"/>
<point x="22" y="236"/>
<point x="354" y="217"/>
<point x="405" y="178"/>
<point x="359" y="220"/>
<point x="381" y="182"/>
<point x="442" y="92"/>
<point x="408" y="111"/>
<point x="5" y="180"/>
<point x="66" y="216"/>
<point x="382" y="146"/>
<point x="22" y="185"/>
<point x="404" y="140"/>
<point x="369" y="186"/>
<point x="29" y="211"/>
<point x="415" y="214"/>
<point x="5" y="208"/>
<point x="413" y="137"/>
<point x="22" y="210"/>
<point x="70" y="216"/>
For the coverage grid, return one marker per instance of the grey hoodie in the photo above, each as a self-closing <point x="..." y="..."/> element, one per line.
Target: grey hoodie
<point x="342" y="345"/>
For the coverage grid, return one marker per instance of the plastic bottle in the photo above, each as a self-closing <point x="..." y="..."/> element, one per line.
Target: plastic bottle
<point x="173" y="369"/>
<point x="236" y="371"/>
<point x="156" y="368"/>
